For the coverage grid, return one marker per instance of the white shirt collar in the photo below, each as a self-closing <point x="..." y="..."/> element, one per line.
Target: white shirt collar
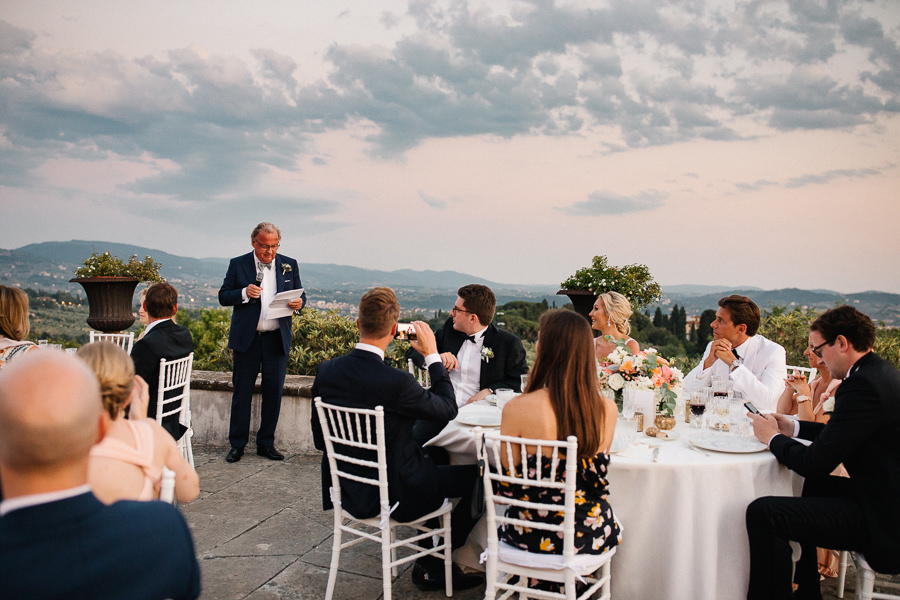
<point x="152" y="324"/>
<point x="370" y="348"/>
<point x="18" y="502"/>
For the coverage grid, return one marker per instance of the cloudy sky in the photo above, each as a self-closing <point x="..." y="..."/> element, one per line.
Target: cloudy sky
<point x="718" y="142"/>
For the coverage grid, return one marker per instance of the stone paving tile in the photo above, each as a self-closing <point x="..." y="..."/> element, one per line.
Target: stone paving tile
<point x="236" y="577"/>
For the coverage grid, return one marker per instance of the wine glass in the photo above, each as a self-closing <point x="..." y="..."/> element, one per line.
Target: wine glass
<point x="698" y="407"/>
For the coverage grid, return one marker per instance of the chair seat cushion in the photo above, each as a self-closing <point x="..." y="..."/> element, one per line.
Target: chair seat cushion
<point x="582" y="563"/>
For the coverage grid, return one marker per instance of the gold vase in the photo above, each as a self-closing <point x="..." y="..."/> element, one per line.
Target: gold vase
<point x="664" y="422"/>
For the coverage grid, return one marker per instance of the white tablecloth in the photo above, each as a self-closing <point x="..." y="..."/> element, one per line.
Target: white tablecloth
<point x="683" y="534"/>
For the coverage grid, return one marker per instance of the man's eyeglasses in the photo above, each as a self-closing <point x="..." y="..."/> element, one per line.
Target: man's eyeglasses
<point x="459" y="310"/>
<point x="818" y="349"/>
<point x="265" y="248"/>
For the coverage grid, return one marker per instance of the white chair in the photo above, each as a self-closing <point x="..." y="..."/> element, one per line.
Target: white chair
<point x="810" y="372"/>
<point x="353" y="433"/>
<point x="174" y="397"/>
<point x="123" y="340"/>
<point x="421" y="375"/>
<point x="509" y="568"/>
<point x="167" y="487"/>
<point x="865" y="579"/>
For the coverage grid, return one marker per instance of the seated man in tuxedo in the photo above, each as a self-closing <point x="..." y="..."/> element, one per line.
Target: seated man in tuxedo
<point x="56" y="539"/>
<point x="361" y="379"/>
<point x="480" y="357"/>
<point x="755" y="365"/>
<point x="859" y="513"/>
<point x="163" y="338"/>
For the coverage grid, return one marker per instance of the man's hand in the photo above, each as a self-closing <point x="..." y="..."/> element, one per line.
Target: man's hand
<point x="765" y="427"/>
<point x="479" y="396"/>
<point x="720" y="350"/>
<point x="139" y="399"/>
<point x="449" y="360"/>
<point x="296" y="304"/>
<point x="254" y="291"/>
<point x="424" y="343"/>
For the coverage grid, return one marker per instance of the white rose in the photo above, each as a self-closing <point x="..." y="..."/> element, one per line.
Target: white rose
<point x="828" y="405"/>
<point x="616" y="381"/>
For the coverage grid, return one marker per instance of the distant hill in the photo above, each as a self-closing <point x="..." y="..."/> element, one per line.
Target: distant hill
<point x="48" y="266"/>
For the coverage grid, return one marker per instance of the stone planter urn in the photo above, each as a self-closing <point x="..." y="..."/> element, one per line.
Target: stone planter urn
<point x="110" y="301"/>
<point x="582" y="301"/>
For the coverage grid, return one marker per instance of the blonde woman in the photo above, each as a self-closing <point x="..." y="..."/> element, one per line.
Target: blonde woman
<point x="128" y="463"/>
<point x="14" y="325"/>
<point x="610" y="316"/>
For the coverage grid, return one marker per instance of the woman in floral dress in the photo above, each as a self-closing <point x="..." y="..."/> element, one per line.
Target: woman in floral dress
<point x="562" y="400"/>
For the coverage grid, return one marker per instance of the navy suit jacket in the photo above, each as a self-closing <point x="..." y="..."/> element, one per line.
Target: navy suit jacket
<point x="504" y="370"/>
<point x="166" y="340"/>
<point x="862" y="434"/>
<point x="361" y="379"/>
<point x="79" y="548"/>
<point x="241" y="273"/>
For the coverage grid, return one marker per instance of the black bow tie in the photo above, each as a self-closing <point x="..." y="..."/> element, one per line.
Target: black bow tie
<point x="471" y="338"/>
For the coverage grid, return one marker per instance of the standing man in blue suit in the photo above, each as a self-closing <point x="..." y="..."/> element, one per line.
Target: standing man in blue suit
<point x="258" y="342"/>
<point x="57" y="540"/>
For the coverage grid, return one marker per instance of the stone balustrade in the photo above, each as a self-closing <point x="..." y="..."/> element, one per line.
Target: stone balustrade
<point x="211" y="407"/>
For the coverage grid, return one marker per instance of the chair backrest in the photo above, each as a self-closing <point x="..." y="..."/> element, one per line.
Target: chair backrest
<point x="354" y="444"/>
<point x="167" y="487"/>
<point x="174" y="392"/>
<point x="421" y="375"/>
<point x="125" y="341"/>
<point x="492" y="446"/>
<point x="810" y="372"/>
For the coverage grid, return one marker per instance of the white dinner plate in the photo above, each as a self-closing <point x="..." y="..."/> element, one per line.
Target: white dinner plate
<point x="479" y="416"/>
<point x="724" y="442"/>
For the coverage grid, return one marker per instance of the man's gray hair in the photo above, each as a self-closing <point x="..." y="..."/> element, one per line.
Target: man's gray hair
<point x="267" y="227"/>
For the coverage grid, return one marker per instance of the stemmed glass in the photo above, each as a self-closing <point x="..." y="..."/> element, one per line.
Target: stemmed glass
<point x="698" y="407"/>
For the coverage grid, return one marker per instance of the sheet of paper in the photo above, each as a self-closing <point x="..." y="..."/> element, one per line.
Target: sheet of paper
<point x="279" y="306"/>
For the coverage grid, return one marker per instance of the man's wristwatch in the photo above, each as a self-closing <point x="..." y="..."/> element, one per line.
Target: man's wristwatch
<point x="736" y="363"/>
<point x="802" y="398"/>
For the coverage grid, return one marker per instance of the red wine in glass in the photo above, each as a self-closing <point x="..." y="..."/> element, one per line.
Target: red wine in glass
<point x="698" y="409"/>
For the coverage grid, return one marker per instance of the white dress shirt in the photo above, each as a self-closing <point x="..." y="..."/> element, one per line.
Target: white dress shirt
<point x="268" y="286"/>
<point x="467" y="379"/>
<point x="760" y="378"/>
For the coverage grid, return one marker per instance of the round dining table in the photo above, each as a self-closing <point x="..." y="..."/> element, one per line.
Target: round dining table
<point x="681" y="508"/>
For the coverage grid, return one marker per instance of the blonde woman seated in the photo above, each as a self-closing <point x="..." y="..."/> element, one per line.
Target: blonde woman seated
<point x="127" y="464"/>
<point x="561" y="399"/>
<point x="14" y="325"/>
<point x="610" y="317"/>
<point x="807" y="400"/>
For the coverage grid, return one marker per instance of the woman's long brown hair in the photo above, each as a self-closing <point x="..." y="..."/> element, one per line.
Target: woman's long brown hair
<point x="566" y="366"/>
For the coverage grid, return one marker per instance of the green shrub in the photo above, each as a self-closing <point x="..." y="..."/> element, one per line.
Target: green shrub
<point x="790" y="328"/>
<point x="209" y="328"/>
<point x="319" y="336"/>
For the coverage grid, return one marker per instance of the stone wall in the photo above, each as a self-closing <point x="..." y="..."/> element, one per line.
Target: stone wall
<point x="211" y="407"/>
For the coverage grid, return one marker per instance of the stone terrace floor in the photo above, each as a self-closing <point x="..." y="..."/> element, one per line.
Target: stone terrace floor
<point x="260" y="534"/>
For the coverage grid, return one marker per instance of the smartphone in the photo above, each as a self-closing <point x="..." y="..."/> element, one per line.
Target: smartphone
<point x="751" y="407"/>
<point x="405" y="331"/>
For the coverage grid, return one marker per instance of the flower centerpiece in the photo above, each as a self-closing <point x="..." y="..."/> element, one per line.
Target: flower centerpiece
<point x="109" y="283"/>
<point x="645" y="370"/>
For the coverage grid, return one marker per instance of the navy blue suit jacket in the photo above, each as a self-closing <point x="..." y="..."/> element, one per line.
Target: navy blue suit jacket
<point x="361" y="379"/>
<point x="241" y="273"/>
<point x="79" y="548"/>
<point x="166" y="340"/>
<point x="862" y="434"/>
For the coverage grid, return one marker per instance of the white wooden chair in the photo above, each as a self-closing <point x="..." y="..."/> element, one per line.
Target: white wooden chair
<point x="865" y="579"/>
<point x="509" y="568"/>
<point x="174" y="397"/>
<point x="421" y="375"/>
<point x="167" y="487"/>
<point x="352" y="433"/>
<point x="810" y="372"/>
<point x="125" y="341"/>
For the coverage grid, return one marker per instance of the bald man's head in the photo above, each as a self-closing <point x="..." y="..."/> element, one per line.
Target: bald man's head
<point x="49" y="412"/>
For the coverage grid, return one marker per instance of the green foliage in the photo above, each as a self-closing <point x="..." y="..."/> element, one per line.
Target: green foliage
<point x="704" y="331"/>
<point x="633" y="281"/>
<point x="319" y="336"/>
<point x="790" y="328"/>
<point x="209" y="328"/>
<point x="887" y="345"/>
<point x="107" y="265"/>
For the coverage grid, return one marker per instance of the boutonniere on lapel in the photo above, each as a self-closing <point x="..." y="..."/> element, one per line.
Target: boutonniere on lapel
<point x="286" y="268"/>
<point x="487" y="354"/>
<point x="828" y="405"/>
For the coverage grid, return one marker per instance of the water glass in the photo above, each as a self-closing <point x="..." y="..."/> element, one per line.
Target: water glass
<point x="524" y="379"/>
<point x="629" y="406"/>
<point x="504" y="395"/>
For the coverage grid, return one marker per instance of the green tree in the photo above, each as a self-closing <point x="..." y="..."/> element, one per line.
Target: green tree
<point x="704" y="331"/>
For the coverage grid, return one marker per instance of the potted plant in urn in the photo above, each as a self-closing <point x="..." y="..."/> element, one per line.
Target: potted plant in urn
<point x="632" y="281"/>
<point x="109" y="283"/>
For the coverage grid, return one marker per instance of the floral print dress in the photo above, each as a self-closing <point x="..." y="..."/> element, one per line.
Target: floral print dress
<point x="596" y="529"/>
